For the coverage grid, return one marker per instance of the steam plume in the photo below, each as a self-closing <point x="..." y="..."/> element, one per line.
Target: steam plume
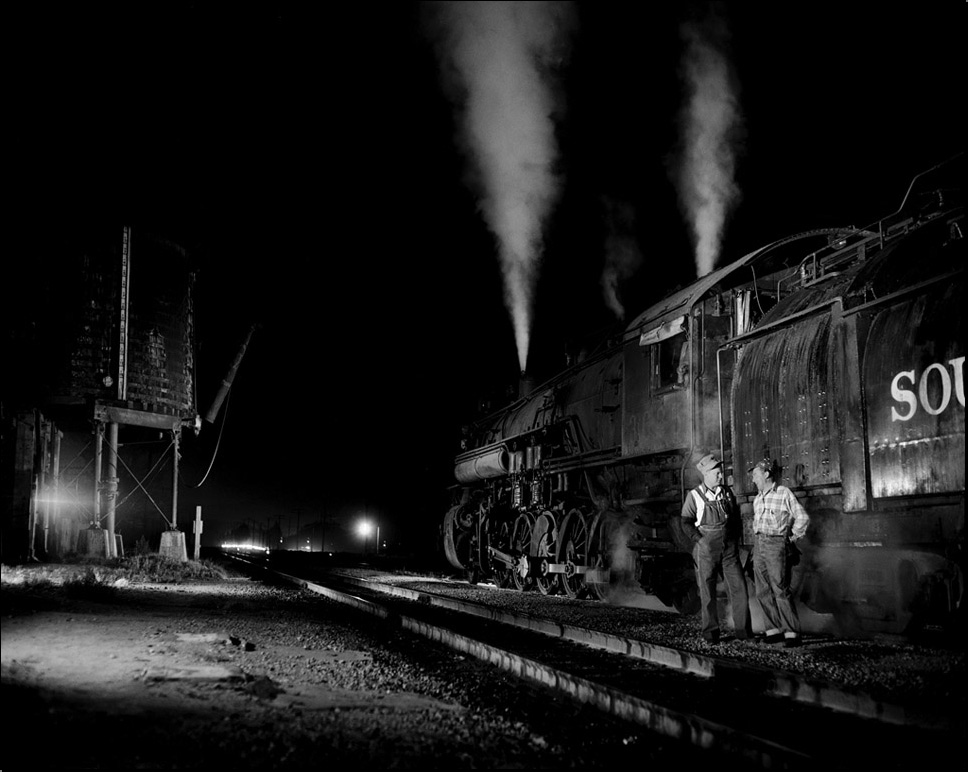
<point x="498" y="59"/>
<point x="711" y="127"/>
<point x="622" y="255"/>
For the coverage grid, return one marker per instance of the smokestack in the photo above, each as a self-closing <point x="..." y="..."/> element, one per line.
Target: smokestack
<point x="525" y="385"/>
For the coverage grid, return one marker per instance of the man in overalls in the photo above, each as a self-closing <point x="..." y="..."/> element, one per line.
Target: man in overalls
<point x="711" y="519"/>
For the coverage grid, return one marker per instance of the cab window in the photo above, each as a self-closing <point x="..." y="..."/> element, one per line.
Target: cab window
<point x="670" y="363"/>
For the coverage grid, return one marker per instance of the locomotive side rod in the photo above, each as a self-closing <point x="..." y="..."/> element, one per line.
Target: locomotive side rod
<point x="538" y="566"/>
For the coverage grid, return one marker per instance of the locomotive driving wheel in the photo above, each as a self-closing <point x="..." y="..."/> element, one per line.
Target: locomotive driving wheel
<point x="573" y="551"/>
<point x="457" y="537"/>
<point x="502" y="573"/>
<point x="521" y="545"/>
<point x="545" y="531"/>
<point x="598" y="556"/>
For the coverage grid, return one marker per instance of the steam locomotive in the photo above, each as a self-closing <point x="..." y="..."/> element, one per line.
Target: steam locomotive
<point x="837" y="352"/>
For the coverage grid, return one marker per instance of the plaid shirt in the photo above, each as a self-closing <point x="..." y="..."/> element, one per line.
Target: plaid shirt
<point x="776" y="512"/>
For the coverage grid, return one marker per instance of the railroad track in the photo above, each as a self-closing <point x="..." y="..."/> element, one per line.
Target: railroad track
<point x="769" y="717"/>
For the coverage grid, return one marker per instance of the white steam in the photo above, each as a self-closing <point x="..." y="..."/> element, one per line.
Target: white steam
<point x="711" y="127"/>
<point x="499" y="57"/>
<point x="622" y="255"/>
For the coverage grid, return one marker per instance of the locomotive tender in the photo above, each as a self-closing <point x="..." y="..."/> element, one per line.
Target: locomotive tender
<point x="838" y="352"/>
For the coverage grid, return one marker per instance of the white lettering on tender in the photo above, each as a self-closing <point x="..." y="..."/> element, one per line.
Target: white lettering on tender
<point x="903" y="395"/>
<point x="907" y="396"/>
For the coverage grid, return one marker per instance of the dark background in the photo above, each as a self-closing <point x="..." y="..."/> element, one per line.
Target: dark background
<point x="307" y="161"/>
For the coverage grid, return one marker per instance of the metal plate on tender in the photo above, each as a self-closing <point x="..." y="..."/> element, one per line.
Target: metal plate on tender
<point x="914" y="387"/>
<point x="782" y="406"/>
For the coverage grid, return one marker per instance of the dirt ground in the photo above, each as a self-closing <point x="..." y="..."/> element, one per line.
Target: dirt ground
<point x="239" y="675"/>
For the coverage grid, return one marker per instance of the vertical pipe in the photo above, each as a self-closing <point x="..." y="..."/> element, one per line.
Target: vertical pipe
<point x="36" y="464"/>
<point x="719" y="403"/>
<point x="693" y="384"/>
<point x="55" y="486"/>
<point x="43" y="483"/>
<point x="32" y="520"/>
<point x="98" y="452"/>
<point x="176" y="434"/>
<point x="125" y="293"/>
<point x="111" y="486"/>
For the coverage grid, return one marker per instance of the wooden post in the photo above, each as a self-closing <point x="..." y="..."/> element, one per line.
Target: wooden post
<point x="197" y="528"/>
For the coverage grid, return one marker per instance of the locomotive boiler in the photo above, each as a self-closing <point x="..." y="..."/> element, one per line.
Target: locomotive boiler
<point x="838" y="352"/>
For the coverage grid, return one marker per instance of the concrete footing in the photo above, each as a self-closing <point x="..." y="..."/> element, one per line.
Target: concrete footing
<point x="94" y="543"/>
<point x="173" y="546"/>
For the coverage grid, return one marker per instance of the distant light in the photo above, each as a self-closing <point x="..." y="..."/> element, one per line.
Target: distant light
<point x="243" y="547"/>
<point x="364" y="528"/>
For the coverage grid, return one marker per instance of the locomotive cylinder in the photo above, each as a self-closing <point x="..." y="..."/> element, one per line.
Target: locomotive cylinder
<point x="482" y="466"/>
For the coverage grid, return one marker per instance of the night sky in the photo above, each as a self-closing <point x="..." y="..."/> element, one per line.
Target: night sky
<point x="309" y="161"/>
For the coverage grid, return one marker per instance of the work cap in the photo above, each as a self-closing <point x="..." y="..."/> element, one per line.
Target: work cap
<point x="766" y="464"/>
<point x="708" y="463"/>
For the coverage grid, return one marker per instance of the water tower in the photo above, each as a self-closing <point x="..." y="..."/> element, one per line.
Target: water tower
<point x="103" y="341"/>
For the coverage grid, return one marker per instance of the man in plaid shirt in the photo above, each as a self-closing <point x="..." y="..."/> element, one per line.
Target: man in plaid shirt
<point x="778" y="521"/>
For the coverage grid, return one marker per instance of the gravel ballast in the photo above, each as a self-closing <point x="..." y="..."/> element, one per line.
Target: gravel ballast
<point x="240" y="675"/>
<point x="927" y="672"/>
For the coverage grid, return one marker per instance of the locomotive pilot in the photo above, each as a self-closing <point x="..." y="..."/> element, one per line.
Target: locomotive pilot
<point x="779" y="520"/>
<point x="711" y="519"/>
